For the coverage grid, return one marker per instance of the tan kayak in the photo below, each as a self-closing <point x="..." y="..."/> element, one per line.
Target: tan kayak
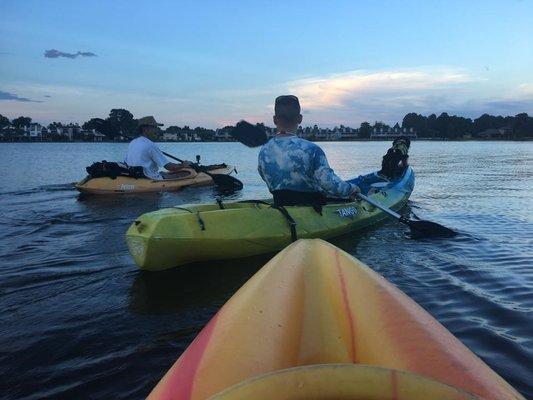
<point x="126" y="184"/>
<point x="316" y="323"/>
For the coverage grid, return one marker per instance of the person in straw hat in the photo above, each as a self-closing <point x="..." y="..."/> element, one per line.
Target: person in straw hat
<point x="143" y="152"/>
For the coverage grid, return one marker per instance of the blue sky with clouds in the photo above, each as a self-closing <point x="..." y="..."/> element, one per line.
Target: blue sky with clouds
<point x="214" y="62"/>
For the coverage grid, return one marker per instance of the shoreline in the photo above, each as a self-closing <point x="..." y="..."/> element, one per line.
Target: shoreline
<point x="36" y="140"/>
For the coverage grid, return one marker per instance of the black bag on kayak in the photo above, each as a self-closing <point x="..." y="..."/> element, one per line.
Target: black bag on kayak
<point x="207" y="168"/>
<point x="113" y="169"/>
<point x="395" y="161"/>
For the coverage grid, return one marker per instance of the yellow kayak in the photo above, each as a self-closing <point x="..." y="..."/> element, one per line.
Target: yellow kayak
<point x="315" y="323"/>
<point x="126" y="184"/>
<point x="175" y="236"/>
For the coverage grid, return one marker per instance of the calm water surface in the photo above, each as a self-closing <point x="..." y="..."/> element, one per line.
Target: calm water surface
<point x="78" y="319"/>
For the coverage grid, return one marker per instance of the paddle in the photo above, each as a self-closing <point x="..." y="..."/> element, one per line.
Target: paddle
<point x="249" y="135"/>
<point x="419" y="228"/>
<point x="223" y="181"/>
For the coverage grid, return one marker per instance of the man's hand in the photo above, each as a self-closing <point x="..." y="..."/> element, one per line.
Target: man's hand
<point x="355" y="191"/>
<point x="173" y="167"/>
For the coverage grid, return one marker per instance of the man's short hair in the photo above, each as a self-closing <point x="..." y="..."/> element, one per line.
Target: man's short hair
<point x="287" y="108"/>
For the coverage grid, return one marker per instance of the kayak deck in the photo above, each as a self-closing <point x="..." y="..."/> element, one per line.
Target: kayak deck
<point x="175" y="236"/>
<point x="126" y="184"/>
<point x="313" y="305"/>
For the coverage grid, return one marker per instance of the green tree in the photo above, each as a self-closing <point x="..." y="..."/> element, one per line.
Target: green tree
<point x="380" y="125"/>
<point x="365" y="130"/>
<point x="93" y="123"/>
<point x="4" y="122"/>
<point x="522" y="126"/>
<point x="119" y="121"/>
<point x="484" y="122"/>
<point x="416" y="122"/>
<point x="205" y="134"/>
<point x="173" y="129"/>
<point x="21" y="122"/>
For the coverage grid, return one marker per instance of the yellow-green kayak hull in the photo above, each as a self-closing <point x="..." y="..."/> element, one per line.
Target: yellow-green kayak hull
<point x="191" y="233"/>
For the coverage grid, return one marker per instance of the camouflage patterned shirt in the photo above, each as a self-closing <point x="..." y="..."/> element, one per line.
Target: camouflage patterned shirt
<point x="290" y="163"/>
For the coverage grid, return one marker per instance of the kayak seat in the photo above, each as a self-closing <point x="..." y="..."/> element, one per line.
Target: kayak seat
<point x="185" y="173"/>
<point x="371" y="181"/>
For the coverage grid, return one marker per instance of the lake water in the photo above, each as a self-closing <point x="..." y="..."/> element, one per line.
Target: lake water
<point x="79" y="320"/>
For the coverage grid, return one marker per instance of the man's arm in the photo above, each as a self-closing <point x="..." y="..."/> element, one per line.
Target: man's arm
<point x="173" y="167"/>
<point x="161" y="161"/>
<point x="329" y="181"/>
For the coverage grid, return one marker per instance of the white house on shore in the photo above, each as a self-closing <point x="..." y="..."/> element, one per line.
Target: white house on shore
<point x="34" y="130"/>
<point x="170" y="136"/>
<point x="392" y="133"/>
<point x="222" y="134"/>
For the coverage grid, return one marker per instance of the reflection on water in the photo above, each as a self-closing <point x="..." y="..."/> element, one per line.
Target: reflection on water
<point x="79" y="320"/>
<point x="193" y="286"/>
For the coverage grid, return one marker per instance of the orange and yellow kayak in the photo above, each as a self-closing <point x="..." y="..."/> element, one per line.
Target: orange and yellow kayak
<point x="127" y="184"/>
<point x="315" y="323"/>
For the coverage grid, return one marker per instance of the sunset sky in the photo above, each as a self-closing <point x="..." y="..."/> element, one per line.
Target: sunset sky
<point x="211" y="63"/>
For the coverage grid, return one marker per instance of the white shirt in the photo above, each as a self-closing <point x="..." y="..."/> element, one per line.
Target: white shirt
<point x="142" y="152"/>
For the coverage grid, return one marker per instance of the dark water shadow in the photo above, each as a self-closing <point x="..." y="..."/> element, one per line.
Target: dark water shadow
<point x="191" y="286"/>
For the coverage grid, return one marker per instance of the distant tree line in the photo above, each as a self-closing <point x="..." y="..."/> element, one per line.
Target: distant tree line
<point x="204" y="134"/>
<point x="121" y="122"/>
<point x="451" y="126"/>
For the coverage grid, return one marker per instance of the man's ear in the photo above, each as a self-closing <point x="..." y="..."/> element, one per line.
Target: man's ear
<point x="300" y="119"/>
<point x="275" y="119"/>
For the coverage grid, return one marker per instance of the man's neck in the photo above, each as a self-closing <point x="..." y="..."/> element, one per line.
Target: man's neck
<point x="289" y="131"/>
<point x="146" y="137"/>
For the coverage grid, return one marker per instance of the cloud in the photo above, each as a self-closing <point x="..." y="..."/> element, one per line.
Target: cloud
<point x="387" y="95"/>
<point x="11" y="96"/>
<point x="46" y="95"/>
<point x="53" y="53"/>
<point x="341" y="90"/>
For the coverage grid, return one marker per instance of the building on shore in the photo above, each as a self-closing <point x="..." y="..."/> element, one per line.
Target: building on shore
<point x="170" y="136"/>
<point x="321" y="134"/>
<point x="499" y="133"/>
<point x="388" y="133"/>
<point x="223" y="134"/>
<point x="34" y="130"/>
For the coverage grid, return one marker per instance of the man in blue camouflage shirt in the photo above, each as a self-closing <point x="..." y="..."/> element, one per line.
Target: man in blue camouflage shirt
<point x="296" y="170"/>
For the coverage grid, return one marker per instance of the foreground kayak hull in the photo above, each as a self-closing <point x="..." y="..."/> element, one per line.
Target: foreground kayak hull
<point x="175" y="236"/>
<point x="315" y="305"/>
<point x="126" y="184"/>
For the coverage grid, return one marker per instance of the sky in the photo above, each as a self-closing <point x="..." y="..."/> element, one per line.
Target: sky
<point x="212" y="63"/>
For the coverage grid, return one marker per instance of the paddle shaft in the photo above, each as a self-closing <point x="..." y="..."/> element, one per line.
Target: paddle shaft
<point x="171" y="156"/>
<point x="221" y="180"/>
<point x="381" y="207"/>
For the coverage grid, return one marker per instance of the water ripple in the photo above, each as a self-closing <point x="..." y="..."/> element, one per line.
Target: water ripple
<point x="79" y="321"/>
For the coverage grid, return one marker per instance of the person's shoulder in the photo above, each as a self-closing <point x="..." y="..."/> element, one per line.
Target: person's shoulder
<point x="149" y="143"/>
<point x="308" y="145"/>
<point x="141" y="140"/>
<point x="304" y="142"/>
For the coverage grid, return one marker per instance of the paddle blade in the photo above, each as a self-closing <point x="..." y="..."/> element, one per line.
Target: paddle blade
<point x="249" y="135"/>
<point x="429" y="229"/>
<point x="226" y="182"/>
